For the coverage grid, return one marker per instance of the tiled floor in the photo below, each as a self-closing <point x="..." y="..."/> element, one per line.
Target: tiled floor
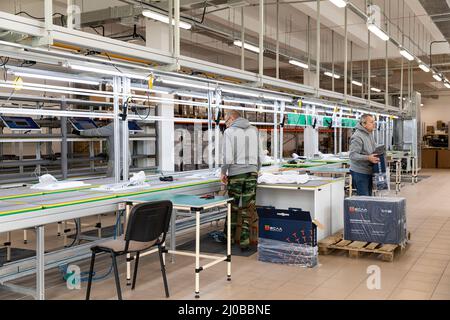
<point x="422" y="272"/>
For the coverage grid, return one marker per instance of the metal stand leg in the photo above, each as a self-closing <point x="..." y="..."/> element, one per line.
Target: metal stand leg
<point x="40" y="285"/>
<point x="64" y="233"/>
<point x="8" y="246"/>
<point x="127" y="215"/>
<point x="99" y="225"/>
<point x="197" y="254"/>
<point x="229" y="241"/>
<point x="173" y="245"/>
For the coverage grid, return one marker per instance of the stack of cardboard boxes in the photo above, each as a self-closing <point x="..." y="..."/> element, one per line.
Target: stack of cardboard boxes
<point x="436" y="157"/>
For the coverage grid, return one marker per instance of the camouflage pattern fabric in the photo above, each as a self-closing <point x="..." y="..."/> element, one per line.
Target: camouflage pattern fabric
<point x="242" y="188"/>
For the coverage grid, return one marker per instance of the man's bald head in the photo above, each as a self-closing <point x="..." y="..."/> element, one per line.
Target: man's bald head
<point x="230" y="116"/>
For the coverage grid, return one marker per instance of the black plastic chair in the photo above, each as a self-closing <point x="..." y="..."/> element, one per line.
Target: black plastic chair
<point x="147" y="226"/>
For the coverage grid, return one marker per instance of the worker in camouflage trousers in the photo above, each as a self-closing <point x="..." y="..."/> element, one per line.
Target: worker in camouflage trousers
<point x="242" y="158"/>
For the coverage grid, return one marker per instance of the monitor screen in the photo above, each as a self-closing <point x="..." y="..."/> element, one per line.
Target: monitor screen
<point x="20" y="123"/>
<point x="82" y="124"/>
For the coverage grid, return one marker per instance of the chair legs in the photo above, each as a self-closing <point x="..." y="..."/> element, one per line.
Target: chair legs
<point x="91" y="271"/>
<point x="136" y="263"/>
<point x="163" y="270"/>
<point x="116" y="276"/>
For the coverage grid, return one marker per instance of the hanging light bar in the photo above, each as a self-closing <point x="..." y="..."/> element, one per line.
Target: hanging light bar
<point x="437" y="77"/>
<point x="406" y="54"/>
<point x="339" y="3"/>
<point x="54" y="78"/>
<point x="298" y="63"/>
<point x="424" y="67"/>
<point x="357" y="83"/>
<point x="108" y="72"/>
<point x="247" y="46"/>
<point x="332" y="75"/>
<point x="377" y="31"/>
<point x="375" y="89"/>
<point x="163" y="18"/>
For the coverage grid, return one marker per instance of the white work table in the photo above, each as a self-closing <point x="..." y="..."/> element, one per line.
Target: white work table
<point x="323" y="198"/>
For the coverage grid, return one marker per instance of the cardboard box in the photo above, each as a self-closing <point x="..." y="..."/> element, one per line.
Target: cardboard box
<point x="440" y="125"/>
<point x="375" y="219"/>
<point x="429" y="158"/>
<point x="443" y="159"/>
<point x="287" y="237"/>
<point x="430" y="129"/>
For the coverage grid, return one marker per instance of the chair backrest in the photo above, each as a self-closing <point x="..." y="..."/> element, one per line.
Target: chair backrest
<point x="148" y="221"/>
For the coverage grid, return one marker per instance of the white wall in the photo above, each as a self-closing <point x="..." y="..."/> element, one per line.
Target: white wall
<point x="435" y="109"/>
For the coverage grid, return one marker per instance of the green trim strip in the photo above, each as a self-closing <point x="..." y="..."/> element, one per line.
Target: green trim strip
<point x="109" y="197"/>
<point x="43" y="193"/>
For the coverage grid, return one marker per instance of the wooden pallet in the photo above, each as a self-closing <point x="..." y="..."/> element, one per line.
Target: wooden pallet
<point x="358" y="248"/>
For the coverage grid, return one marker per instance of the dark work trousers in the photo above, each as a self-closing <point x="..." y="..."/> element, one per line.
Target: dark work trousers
<point x="362" y="182"/>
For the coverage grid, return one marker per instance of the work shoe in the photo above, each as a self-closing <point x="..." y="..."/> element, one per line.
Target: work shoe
<point x="218" y="236"/>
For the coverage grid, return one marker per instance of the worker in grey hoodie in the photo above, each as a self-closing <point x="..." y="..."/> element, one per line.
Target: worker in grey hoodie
<point x="242" y="158"/>
<point x="362" y="157"/>
<point x="108" y="133"/>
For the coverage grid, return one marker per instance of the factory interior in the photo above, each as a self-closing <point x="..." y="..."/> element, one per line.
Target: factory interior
<point x="253" y="150"/>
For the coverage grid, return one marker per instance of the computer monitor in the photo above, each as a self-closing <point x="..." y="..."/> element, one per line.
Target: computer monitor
<point x="20" y="123"/>
<point x="134" y="127"/>
<point x="82" y="124"/>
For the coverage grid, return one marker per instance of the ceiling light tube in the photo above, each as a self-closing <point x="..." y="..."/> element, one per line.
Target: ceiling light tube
<point x="186" y="84"/>
<point x="108" y="72"/>
<point x="54" y="78"/>
<point x="163" y="18"/>
<point x="447" y="85"/>
<point x="377" y="31"/>
<point x="298" y="63"/>
<point x="437" y="77"/>
<point x="247" y="46"/>
<point x="357" y="83"/>
<point x="339" y="3"/>
<point x="406" y="54"/>
<point x="333" y="75"/>
<point x="424" y="67"/>
<point x="375" y="89"/>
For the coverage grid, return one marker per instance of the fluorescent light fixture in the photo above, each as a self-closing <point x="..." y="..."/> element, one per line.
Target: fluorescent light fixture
<point x="421" y="104"/>
<point x="339" y="3"/>
<point x="357" y="83"/>
<point x="377" y="31"/>
<point x="54" y="78"/>
<point x="298" y="63"/>
<point x="424" y="67"/>
<point x="333" y="75"/>
<point x="163" y="18"/>
<point x="437" y="77"/>
<point x="375" y="89"/>
<point x="447" y="85"/>
<point x="108" y="72"/>
<point x="186" y="84"/>
<point x="406" y="54"/>
<point x="247" y="46"/>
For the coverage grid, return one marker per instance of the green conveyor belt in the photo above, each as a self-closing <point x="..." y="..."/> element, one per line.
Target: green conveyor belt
<point x="95" y="199"/>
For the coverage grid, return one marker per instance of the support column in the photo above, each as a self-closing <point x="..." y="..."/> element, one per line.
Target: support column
<point x="317" y="82"/>
<point x="166" y="134"/>
<point x="63" y="142"/>
<point x="261" y="39"/>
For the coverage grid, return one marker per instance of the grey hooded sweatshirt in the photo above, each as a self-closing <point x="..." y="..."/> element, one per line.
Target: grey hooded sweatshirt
<point x="242" y="149"/>
<point x="362" y="144"/>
